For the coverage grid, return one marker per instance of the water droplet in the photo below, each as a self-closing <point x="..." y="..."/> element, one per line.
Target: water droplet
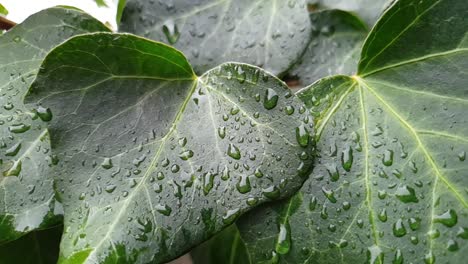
<point x="374" y="255"/>
<point x="107" y="163"/>
<point x="45" y="114"/>
<point x="383" y="215"/>
<point x="313" y="203"/>
<point x="429" y="258"/>
<point x="234" y="152"/>
<point x="284" y="239"/>
<point x="452" y="245"/>
<point x="271" y="192"/>
<point x="333" y="173"/>
<point x="398" y="259"/>
<point x="14" y="170"/>
<point x="8" y="106"/>
<point x="289" y="110"/>
<point x="462" y="156"/>
<point x="17" y="39"/>
<point x="330" y="194"/>
<point x="185" y="155"/>
<point x="110" y="188"/>
<point x="302" y="136"/>
<point x="406" y="194"/>
<point x="462" y="233"/>
<point x="19" y="128"/>
<point x="243" y="186"/>
<point x="414" y="223"/>
<point x="171" y="31"/>
<point x="175" y="168"/>
<point x="387" y="159"/>
<point x="222" y="132"/>
<point x="231" y="216"/>
<point x="13" y="150"/>
<point x="347" y="158"/>
<point x="449" y="218"/>
<point x="399" y="229"/>
<point x="163" y="209"/>
<point x="271" y="99"/>
<point x="208" y="182"/>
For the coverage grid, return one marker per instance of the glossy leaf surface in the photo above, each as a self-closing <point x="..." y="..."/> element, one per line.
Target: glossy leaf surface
<point x="271" y="34"/>
<point x="335" y="46"/>
<point x="389" y="182"/>
<point x="369" y="10"/>
<point x="153" y="159"/>
<point x="26" y="190"/>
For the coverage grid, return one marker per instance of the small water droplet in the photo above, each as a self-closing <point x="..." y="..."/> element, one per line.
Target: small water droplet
<point x="302" y="135"/>
<point x="347" y="158"/>
<point x="13" y="150"/>
<point x="185" y="155"/>
<point x="243" y="186"/>
<point x="387" y="159"/>
<point x="163" y="209"/>
<point x="107" y="163"/>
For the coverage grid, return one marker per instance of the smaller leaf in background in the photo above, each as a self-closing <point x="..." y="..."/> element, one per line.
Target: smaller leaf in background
<point x="120" y="9"/>
<point x="271" y="34"/>
<point x="368" y="10"/>
<point x="101" y="3"/>
<point x="36" y="247"/>
<point x="334" y="48"/>
<point x="3" y="10"/>
<point x="27" y="199"/>
<point x="225" y="247"/>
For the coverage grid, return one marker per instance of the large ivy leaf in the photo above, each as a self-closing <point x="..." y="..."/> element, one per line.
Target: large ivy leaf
<point x="334" y="47"/>
<point x="153" y="159"/>
<point x="272" y="34"/>
<point x="3" y="10"/>
<point x="390" y="181"/>
<point x="369" y="10"/>
<point x="36" y="247"/>
<point x="26" y="194"/>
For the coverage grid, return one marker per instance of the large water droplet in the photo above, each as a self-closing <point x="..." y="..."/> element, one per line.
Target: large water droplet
<point x="387" y="159"/>
<point x="185" y="155"/>
<point x="208" y="182"/>
<point x="302" y="136"/>
<point x="406" y="194"/>
<point x="330" y="194"/>
<point x="284" y="239"/>
<point x="449" y="218"/>
<point x="271" y="192"/>
<point x="347" y="158"/>
<point x="172" y="32"/>
<point x="399" y="229"/>
<point x="243" y="186"/>
<point x="398" y="259"/>
<point x="14" y="170"/>
<point x="19" y="128"/>
<point x="231" y="216"/>
<point x="271" y="99"/>
<point x="374" y="255"/>
<point x="13" y="150"/>
<point x="163" y="209"/>
<point x="107" y="163"/>
<point x="234" y="152"/>
<point x="45" y="114"/>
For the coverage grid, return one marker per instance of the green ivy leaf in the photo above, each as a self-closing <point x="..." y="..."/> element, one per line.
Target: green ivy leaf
<point x="26" y="189"/>
<point x="153" y="159"/>
<point x="334" y="47"/>
<point x="389" y="184"/>
<point x="35" y="247"/>
<point x="368" y="10"/>
<point x="272" y="34"/>
<point x="225" y="247"/>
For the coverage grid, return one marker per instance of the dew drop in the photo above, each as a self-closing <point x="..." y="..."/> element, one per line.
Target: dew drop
<point x="302" y="136"/>
<point x="406" y="194"/>
<point x="399" y="229"/>
<point x="271" y="99"/>
<point x="284" y="239"/>
<point x="347" y="158"/>
<point x="243" y="186"/>
<point x="449" y="218"/>
<point x="107" y="163"/>
<point x="234" y="152"/>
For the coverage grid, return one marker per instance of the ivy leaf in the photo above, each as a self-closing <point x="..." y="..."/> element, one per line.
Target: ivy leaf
<point x="390" y="181"/>
<point x="272" y="34"/>
<point x="225" y="247"/>
<point x="368" y="10"/>
<point x="120" y="8"/>
<point x="26" y="189"/>
<point x="41" y="247"/>
<point x="334" y="47"/>
<point x="153" y="159"/>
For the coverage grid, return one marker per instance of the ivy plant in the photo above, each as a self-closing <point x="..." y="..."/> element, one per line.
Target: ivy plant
<point x="118" y="148"/>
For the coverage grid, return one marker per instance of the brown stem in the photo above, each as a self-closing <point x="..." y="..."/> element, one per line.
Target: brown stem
<point x="6" y="24"/>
